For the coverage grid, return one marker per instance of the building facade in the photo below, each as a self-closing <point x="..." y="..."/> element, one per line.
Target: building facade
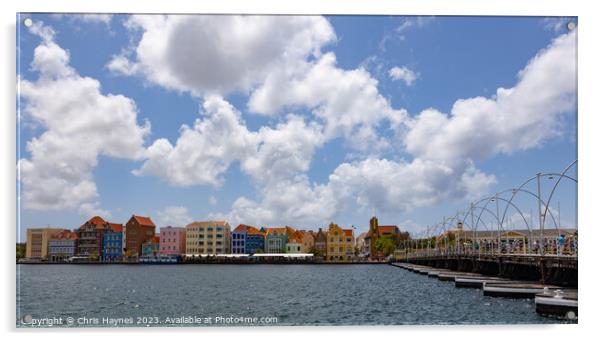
<point x="37" y="241"/>
<point x="247" y="240"/>
<point x="90" y="237"/>
<point x="376" y="231"/>
<point x="137" y="231"/>
<point x="320" y="244"/>
<point x="112" y="248"/>
<point x="62" y="246"/>
<point x="340" y="244"/>
<point x="150" y="247"/>
<point x="172" y="240"/>
<point x="208" y="237"/>
<point x="275" y="239"/>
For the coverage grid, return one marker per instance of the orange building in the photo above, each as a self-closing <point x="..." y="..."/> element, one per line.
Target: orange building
<point x="137" y="230"/>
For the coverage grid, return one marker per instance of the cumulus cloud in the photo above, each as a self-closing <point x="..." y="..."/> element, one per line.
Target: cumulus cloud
<point x="173" y="216"/>
<point x="346" y="101"/>
<point x="80" y="123"/>
<point x="518" y="118"/>
<point x="403" y="73"/>
<point x="213" y="54"/>
<point x="91" y="209"/>
<point x="203" y="152"/>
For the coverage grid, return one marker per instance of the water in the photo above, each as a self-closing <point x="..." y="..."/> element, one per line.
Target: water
<point x="157" y="295"/>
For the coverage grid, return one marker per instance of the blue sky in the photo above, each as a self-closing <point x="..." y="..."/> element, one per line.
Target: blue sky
<point x="303" y="140"/>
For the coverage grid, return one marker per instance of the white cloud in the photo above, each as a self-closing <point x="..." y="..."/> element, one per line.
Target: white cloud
<point x="212" y="200"/>
<point x="519" y="118"/>
<point x="348" y="102"/>
<point x="80" y="124"/>
<point x="176" y="216"/>
<point x="91" y="209"/>
<point x="408" y="76"/>
<point x="213" y="54"/>
<point x="203" y="152"/>
<point x="555" y="24"/>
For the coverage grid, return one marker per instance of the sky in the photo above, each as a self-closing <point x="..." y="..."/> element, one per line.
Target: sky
<point x="298" y="121"/>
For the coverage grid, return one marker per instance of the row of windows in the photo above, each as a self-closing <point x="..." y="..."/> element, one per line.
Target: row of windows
<point x="202" y="250"/>
<point x="202" y="236"/>
<point x="168" y="248"/>
<point x="201" y="229"/>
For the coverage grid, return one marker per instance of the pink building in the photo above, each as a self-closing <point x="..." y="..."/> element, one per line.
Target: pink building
<point x="172" y="240"/>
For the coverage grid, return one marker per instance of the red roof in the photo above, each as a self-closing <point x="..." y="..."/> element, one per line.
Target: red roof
<point x="65" y="235"/>
<point x="116" y="227"/>
<point x="144" y="221"/>
<point x="280" y="230"/>
<point x="242" y="227"/>
<point x="348" y="232"/>
<point x="384" y="229"/>
<point x="97" y="221"/>
<point x="253" y="230"/>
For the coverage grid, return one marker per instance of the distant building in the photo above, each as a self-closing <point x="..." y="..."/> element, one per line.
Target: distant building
<point x="247" y="240"/>
<point x="112" y="248"/>
<point x="340" y="244"/>
<point x="294" y="244"/>
<point x="90" y="236"/>
<point x="275" y="239"/>
<point x="137" y="230"/>
<point x="377" y="231"/>
<point x="320" y="243"/>
<point x="62" y="246"/>
<point x="307" y="241"/>
<point x="362" y="246"/>
<point x="37" y="241"/>
<point x="208" y="237"/>
<point x="150" y="247"/>
<point x="172" y="240"/>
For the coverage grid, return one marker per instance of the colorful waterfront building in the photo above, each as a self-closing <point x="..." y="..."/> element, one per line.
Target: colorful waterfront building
<point x="320" y="244"/>
<point x="307" y="241"/>
<point x="138" y="230"/>
<point x="90" y="237"/>
<point x="151" y="246"/>
<point x="275" y="239"/>
<point x="62" y="246"/>
<point x="376" y="231"/>
<point x="112" y="248"/>
<point x="208" y="237"/>
<point x="294" y="244"/>
<point x="340" y="244"/>
<point x="172" y="240"/>
<point x="361" y="246"/>
<point x="247" y="240"/>
<point x="36" y="246"/>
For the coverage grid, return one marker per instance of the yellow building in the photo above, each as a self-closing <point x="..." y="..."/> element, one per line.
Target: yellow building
<point x="340" y="244"/>
<point x="37" y="241"/>
<point x="207" y="238"/>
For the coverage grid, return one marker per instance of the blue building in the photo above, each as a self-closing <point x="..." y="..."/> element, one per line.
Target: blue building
<point x="247" y="240"/>
<point x="112" y="246"/>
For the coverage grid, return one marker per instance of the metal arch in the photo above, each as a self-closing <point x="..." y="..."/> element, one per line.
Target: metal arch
<point x="483" y="208"/>
<point x="514" y="190"/>
<point x="562" y="175"/>
<point x="520" y="188"/>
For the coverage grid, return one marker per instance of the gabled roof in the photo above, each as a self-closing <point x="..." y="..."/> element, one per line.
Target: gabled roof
<point x="243" y="227"/>
<point x="384" y="229"/>
<point x="143" y="221"/>
<point x="116" y="227"/>
<point x="280" y="230"/>
<point x="348" y="232"/>
<point x="97" y="221"/>
<point x="253" y="230"/>
<point x="64" y="235"/>
<point x="295" y="240"/>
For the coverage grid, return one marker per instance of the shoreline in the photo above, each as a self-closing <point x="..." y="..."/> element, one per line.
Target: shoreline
<point x="207" y="263"/>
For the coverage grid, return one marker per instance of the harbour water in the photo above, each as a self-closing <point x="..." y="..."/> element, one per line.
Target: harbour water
<point x="275" y="295"/>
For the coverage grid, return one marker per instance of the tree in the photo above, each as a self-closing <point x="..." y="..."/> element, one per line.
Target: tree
<point x="20" y="250"/>
<point x="385" y="245"/>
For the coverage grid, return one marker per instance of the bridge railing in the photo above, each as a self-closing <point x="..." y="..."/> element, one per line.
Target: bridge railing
<point x="488" y="250"/>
